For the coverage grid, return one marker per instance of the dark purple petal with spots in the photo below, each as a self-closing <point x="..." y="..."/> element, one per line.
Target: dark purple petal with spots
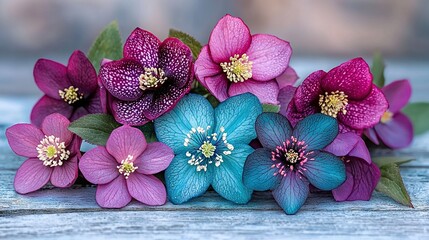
<point x="175" y="58"/>
<point x="50" y="77"/>
<point x="308" y="93"/>
<point x="142" y="46"/>
<point x="121" y="79"/>
<point x="81" y="73"/>
<point x="130" y="113"/>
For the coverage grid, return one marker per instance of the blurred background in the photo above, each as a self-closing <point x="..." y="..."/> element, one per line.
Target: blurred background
<point x="322" y="33"/>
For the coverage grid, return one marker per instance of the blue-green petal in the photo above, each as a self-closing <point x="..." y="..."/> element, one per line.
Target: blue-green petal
<point x="191" y="112"/>
<point x="238" y="115"/>
<point x="291" y="193"/>
<point x="317" y="131"/>
<point x="326" y="171"/>
<point x="258" y="172"/>
<point x="227" y="178"/>
<point x="272" y="129"/>
<point x="184" y="182"/>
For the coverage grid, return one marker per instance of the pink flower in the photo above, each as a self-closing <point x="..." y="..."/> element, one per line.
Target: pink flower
<point x="235" y="62"/>
<point x="345" y="92"/>
<point x="123" y="169"/>
<point x="72" y="91"/>
<point x="53" y="153"/>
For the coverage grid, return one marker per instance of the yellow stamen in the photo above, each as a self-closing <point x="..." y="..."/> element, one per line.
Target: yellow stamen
<point x="238" y="69"/>
<point x="207" y="149"/>
<point x="332" y="103"/>
<point x="70" y="95"/>
<point x="52" y="152"/>
<point x="127" y="167"/>
<point x="152" y="78"/>
<point x="387" y="116"/>
<point x="292" y="156"/>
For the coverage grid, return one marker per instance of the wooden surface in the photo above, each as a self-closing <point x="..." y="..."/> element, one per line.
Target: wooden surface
<point x="73" y="213"/>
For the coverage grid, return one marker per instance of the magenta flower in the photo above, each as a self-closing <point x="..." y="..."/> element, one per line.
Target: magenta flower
<point x="123" y="169"/>
<point x="235" y="62"/>
<point x="362" y="175"/>
<point x="346" y="92"/>
<point x="395" y="129"/>
<point x="150" y="79"/>
<point x="53" y="153"/>
<point x="72" y="91"/>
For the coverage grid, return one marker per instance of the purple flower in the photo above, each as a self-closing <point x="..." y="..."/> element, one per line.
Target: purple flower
<point x="53" y="153"/>
<point x="362" y="174"/>
<point x="235" y="62"/>
<point x="151" y="78"/>
<point x="72" y="91"/>
<point x="124" y="169"/>
<point x="395" y="129"/>
<point x="345" y="92"/>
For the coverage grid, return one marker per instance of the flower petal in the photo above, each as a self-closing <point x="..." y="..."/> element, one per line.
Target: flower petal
<point x="81" y="73"/>
<point x="156" y="158"/>
<point x="65" y="175"/>
<point x="317" y="131"/>
<point x="285" y="97"/>
<point x="131" y="113"/>
<point x="230" y="36"/>
<point x="238" y="116"/>
<point x="353" y="77"/>
<point x="397" y="93"/>
<point x="184" y="182"/>
<point x="31" y="176"/>
<point x="365" y="113"/>
<point x="258" y="173"/>
<point x="23" y="139"/>
<point x="266" y="92"/>
<point x="98" y="166"/>
<point x="50" y="77"/>
<point x="113" y="194"/>
<point x="57" y="125"/>
<point x="272" y="130"/>
<point x="205" y="67"/>
<point x="218" y="86"/>
<point x="95" y="102"/>
<point x="142" y="46"/>
<point x="270" y="56"/>
<point x="126" y="141"/>
<point x="121" y="79"/>
<point x="287" y="78"/>
<point x="326" y="171"/>
<point x="343" y="144"/>
<point x="307" y="94"/>
<point x="175" y="58"/>
<point x="372" y="135"/>
<point x="397" y="133"/>
<point x="191" y="112"/>
<point x="46" y="106"/>
<point x="147" y="189"/>
<point x="228" y="177"/>
<point x="291" y="193"/>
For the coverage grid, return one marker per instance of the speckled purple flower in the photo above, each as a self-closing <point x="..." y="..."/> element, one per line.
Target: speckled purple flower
<point x="346" y="92"/>
<point x="235" y="62"/>
<point x="71" y="91"/>
<point x="395" y="129"/>
<point x="362" y="175"/>
<point x="52" y="151"/>
<point x="124" y="169"/>
<point x="149" y="80"/>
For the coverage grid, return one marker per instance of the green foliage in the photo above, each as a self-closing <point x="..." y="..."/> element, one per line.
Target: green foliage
<point x="270" y="108"/>
<point x="94" y="128"/>
<point x="190" y="41"/>
<point x="392" y="185"/>
<point x="377" y="70"/>
<point x="419" y="115"/>
<point x="149" y="132"/>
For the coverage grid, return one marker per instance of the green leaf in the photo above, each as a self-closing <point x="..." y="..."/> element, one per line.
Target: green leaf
<point x="107" y="45"/>
<point x="94" y="128"/>
<point x="419" y="114"/>
<point x="190" y="41"/>
<point x="213" y="101"/>
<point x="270" y="108"/>
<point x="149" y="132"/>
<point x="382" y="161"/>
<point x="377" y="70"/>
<point x="392" y="185"/>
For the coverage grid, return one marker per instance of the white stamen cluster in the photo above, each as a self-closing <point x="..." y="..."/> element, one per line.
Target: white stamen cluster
<point x="127" y="166"/>
<point x="52" y="152"/>
<point x="70" y="95"/>
<point x="238" y="69"/>
<point x="152" y="78"/>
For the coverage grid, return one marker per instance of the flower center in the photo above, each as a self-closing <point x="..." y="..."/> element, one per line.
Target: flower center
<point x="52" y="152"/>
<point x="70" y="95"/>
<point x="332" y="103"/>
<point x="238" y="69"/>
<point x="127" y="167"/>
<point x="387" y="116"/>
<point x="152" y="78"/>
<point x="290" y="156"/>
<point x="206" y="147"/>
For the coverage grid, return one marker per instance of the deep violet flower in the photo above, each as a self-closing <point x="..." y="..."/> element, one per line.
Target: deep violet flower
<point x="70" y="90"/>
<point x="362" y="174"/>
<point x="53" y="153"/>
<point x="149" y="80"/>
<point x="211" y="146"/>
<point x="346" y="92"/>
<point x="124" y="169"/>
<point x="235" y="62"/>
<point x="395" y="129"/>
<point x="292" y="158"/>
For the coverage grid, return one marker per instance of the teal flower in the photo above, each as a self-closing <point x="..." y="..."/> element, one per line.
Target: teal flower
<point x="211" y="146"/>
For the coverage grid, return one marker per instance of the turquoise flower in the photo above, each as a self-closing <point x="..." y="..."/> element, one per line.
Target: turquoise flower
<point x="211" y="146"/>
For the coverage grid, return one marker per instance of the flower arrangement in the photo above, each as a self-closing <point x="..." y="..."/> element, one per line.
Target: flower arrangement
<point x="171" y="119"/>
